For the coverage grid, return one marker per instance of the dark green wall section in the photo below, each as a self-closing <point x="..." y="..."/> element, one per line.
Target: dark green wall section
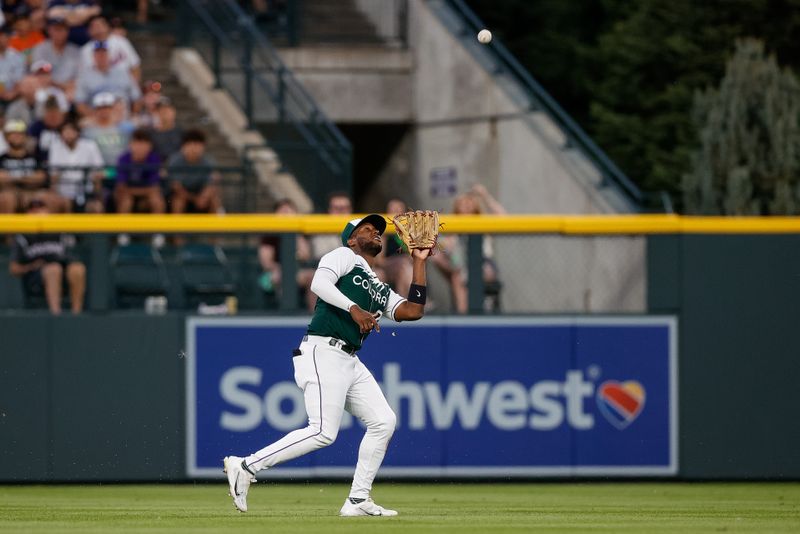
<point x="101" y="397"/>
<point x="25" y="400"/>
<point x="92" y="398"/>
<point x="738" y="300"/>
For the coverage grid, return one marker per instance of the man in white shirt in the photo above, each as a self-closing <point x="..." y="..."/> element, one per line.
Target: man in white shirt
<point x="120" y="49"/>
<point x="103" y="77"/>
<point x="76" y="170"/>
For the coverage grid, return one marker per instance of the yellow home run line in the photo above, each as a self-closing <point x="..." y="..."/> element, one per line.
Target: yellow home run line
<point x="468" y="224"/>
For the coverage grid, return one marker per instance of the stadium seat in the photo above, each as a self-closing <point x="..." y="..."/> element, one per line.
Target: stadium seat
<point x="206" y="275"/>
<point x="138" y="272"/>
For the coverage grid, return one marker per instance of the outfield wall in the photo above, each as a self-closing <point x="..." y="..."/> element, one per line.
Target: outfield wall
<point x="102" y="397"/>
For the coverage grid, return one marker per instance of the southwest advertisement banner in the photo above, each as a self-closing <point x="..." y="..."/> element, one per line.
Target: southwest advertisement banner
<point x="565" y="396"/>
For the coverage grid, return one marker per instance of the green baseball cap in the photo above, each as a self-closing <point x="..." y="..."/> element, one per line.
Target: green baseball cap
<point x="376" y="220"/>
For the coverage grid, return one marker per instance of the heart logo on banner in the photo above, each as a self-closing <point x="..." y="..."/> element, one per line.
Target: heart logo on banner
<point x="621" y="402"/>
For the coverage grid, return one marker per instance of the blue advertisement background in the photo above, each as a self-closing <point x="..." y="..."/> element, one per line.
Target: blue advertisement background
<point x="519" y="353"/>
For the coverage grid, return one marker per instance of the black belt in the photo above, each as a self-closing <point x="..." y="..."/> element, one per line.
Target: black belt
<point x="339" y="344"/>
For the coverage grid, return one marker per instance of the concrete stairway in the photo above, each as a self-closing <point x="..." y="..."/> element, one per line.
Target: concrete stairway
<point x="155" y="49"/>
<point x="335" y="22"/>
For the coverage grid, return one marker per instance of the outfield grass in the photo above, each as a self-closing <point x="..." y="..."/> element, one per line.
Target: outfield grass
<point x="456" y="508"/>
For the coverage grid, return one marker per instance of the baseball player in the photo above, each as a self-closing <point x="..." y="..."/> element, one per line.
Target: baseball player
<point x="351" y="300"/>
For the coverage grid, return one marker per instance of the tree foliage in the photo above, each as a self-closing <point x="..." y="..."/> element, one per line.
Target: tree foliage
<point x="749" y="154"/>
<point x="628" y="71"/>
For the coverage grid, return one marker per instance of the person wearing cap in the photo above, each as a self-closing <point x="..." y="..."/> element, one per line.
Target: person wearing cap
<point x="120" y="49"/>
<point x="46" y="264"/>
<point x="21" y="174"/>
<point x="45" y="130"/>
<point x="104" y="127"/>
<point x="46" y="89"/>
<point x="102" y="76"/>
<point x="63" y="57"/>
<point x="12" y="67"/>
<point x="351" y="300"/>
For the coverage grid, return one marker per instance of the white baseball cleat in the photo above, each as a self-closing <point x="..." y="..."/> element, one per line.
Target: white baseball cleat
<point x="366" y="507"/>
<point x="239" y="480"/>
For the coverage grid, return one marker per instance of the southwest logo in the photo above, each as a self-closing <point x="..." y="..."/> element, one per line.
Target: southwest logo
<point x="621" y="402"/>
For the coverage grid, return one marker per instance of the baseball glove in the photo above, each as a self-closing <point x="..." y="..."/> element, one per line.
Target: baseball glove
<point x="418" y="229"/>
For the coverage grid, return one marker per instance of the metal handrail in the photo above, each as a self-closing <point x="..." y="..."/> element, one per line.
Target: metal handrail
<point x="576" y="136"/>
<point x="294" y="104"/>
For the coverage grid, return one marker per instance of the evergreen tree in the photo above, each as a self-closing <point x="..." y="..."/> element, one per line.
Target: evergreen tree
<point x="628" y="71"/>
<point x="748" y="161"/>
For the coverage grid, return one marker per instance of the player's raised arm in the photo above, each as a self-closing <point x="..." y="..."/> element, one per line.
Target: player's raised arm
<point x="414" y="308"/>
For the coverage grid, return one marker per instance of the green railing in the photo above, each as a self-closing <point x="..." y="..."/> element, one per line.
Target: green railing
<point x="246" y="64"/>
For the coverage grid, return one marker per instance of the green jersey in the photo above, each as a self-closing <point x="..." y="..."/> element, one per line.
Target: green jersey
<point x="353" y="277"/>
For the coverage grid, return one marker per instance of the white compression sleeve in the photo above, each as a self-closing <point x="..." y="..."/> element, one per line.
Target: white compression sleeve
<point x="324" y="286"/>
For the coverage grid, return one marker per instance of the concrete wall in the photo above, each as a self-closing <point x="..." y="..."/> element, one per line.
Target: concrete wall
<point x="473" y="121"/>
<point x="353" y="84"/>
<point x="468" y="120"/>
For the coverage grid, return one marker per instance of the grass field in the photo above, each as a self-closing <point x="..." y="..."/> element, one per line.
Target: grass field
<point x="445" y="508"/>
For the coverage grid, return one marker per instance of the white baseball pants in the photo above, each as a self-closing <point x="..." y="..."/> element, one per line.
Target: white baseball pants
<point x="333" y="381"/>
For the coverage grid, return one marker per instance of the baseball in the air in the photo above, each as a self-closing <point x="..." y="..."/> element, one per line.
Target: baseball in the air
<point x="484" y="36"/>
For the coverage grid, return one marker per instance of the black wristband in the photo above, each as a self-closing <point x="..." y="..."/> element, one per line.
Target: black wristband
<point x="417" y="294"/>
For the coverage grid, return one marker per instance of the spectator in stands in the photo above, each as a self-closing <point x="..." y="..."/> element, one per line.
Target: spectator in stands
<point x="8" y="7"/>
<point x="77" y="14"/>
<point x="142" y="8"/>
<point x="21" y="173"/>
<point x="3" y="144"/>
<point x="147" y="117"/>
<point x="25" y="36"/>
<point x="339" y="203"/>
<point x="396" y="262"/>
<point x="23" y="108"/>
<point x="269" y="257"/>
<point x="193" y="181"/>
<point x="63" y="56"/>
<point x="45" y="262"/>
<point x="38" y="15"/>
<point x="46" y="89"/>
<point x="102" y="77"/>
<point x="167" y="135"/>
<point x="76" y="166"/>
<point x="476" y="202"/>
<point x="117" y="28"/>
<point x="43" y="131"/>
<point x="453" y="261"/>
<point x="139" y="179"/>
<point x="120" y="49"/>
<point x="109" y="132"/>
<point x="12" y="68"/>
